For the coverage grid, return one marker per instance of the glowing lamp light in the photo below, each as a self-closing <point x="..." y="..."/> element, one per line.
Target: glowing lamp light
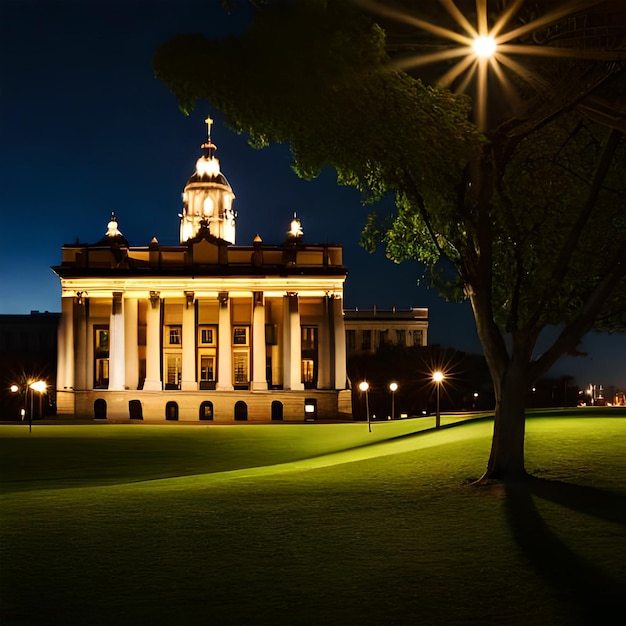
<point x="39" y="386"/>
<point x="484" y="46"/>
<point x="438" y="376"/>
<point x="364" y="385"/>
<point x="14" y="388"/>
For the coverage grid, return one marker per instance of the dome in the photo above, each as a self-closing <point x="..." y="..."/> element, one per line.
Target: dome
<point x="208" y="199"/>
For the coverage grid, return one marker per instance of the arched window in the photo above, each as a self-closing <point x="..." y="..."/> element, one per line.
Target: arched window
<point x="100" y="409"/>
<point x="135" y="410"/>
<point x="241" y="411"/>
<point x="206" y="410"/>
<point x="277" y="410"/>
<point x="171" y="411"/>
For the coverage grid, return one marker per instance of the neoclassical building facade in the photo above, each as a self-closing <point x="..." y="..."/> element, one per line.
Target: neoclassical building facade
<point x="204" y="330"/>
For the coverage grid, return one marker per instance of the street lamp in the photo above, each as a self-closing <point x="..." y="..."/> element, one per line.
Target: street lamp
<point x="393" y="387"/>
<point x="39" y="386"/>
<point x="438" y="377"/>
<point x="364" y="386"/>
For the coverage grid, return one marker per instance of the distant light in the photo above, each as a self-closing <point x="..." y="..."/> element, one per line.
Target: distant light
<point x="393" y="387"/>
<point x="39" y="386"/>
<point x="364" y="385"/>
<point x="438" y="376"/>
<point x="309" y="408"/>
<point x="14" y="388"/>
<point x="484" y="46"/>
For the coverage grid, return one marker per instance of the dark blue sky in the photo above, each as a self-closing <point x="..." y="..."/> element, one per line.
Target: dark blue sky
<point x="86" y="129"/>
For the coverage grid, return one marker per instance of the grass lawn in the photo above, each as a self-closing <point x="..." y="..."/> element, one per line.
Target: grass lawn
<point x="311" y="524"/>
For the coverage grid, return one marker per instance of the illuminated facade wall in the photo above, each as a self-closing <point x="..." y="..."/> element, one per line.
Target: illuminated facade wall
<point x="201" y="322"/>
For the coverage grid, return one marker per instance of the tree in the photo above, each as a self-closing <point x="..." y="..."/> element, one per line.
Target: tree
<point x="523" y="216"/>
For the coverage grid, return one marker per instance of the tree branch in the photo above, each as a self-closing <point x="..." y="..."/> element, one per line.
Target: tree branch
<point x="569" y="247"/>
<point x="571" y="335"/>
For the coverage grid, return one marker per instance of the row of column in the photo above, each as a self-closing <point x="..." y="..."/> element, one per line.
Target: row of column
<point x="123" y="344"/>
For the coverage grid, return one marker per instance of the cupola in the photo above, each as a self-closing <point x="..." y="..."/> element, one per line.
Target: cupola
<point x="208" y="197"/>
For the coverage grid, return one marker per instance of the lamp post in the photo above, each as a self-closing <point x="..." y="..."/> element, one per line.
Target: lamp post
<point x="364" y="387"/>
<point x="438" y="377"/>
<point x="393" y="387"/>
<point x="40" y="387"/>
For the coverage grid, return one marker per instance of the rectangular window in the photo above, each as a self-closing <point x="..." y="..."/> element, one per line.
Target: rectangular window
<point x="417" y="337"/>
<point x="173" y="371"/>
<point x="207" y="336"/>
<point x="207" y="368"/>
<point x="308" y="337"/>
<point x="308" y="371"/>
<point x="240" y="368"/>
<point x="102" y="374"/>
<point x="240" y="336"/>
<point x="350" y="340"/>
<point x="175" y="335"/>
<point x="101" y="357"/>
<point x="366" y="343"/>
<point x="102" y="342"/>
<point x="401" y="337"/>
<point x="383" y="338"/>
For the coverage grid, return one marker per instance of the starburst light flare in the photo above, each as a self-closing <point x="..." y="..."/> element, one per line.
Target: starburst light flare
<point x="480" y="53"/>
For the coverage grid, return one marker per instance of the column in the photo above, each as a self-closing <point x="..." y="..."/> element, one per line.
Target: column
<point x="188" y="380"/>
<point x="259" y="377"/>
<point x="117" y="370"/>
<point x="292" y="348"/>
<point x="153" y="344"/>
<point x="339" y="354"/>
<point x="81" y="364"/>
<point x="224" y="345"/>
<point x="131" y="341"/>
<point x="65" y="340"/>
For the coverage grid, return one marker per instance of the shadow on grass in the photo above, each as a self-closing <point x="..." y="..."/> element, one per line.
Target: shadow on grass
<point x="596" y="598"/>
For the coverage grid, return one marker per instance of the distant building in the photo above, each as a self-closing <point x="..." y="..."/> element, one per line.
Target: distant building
<point x="367" y="331"/>
<point x="204" y="330"/>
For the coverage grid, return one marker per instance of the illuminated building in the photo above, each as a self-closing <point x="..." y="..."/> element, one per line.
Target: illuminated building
<point x="367" y="331"/>
<point x="204" y="330"/>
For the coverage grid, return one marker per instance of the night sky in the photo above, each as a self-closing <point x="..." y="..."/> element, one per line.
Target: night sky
<point x="86" y="129"/>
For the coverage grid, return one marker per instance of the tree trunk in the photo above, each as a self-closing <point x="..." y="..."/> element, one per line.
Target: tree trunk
<point x="506" y="461"/>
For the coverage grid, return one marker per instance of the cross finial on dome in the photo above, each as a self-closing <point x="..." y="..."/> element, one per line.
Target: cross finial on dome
<point x="208" y="144"/>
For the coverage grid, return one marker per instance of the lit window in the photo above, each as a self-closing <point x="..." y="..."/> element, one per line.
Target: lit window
<point x="240" y="336"/>
<point x="207" y="368"/>
<point x="175" y="335"/>
<point x="308" y="370"/>
<point x="240" y="368"/>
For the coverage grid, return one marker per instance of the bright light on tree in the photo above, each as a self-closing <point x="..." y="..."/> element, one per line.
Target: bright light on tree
<point x="484" y="46"/>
